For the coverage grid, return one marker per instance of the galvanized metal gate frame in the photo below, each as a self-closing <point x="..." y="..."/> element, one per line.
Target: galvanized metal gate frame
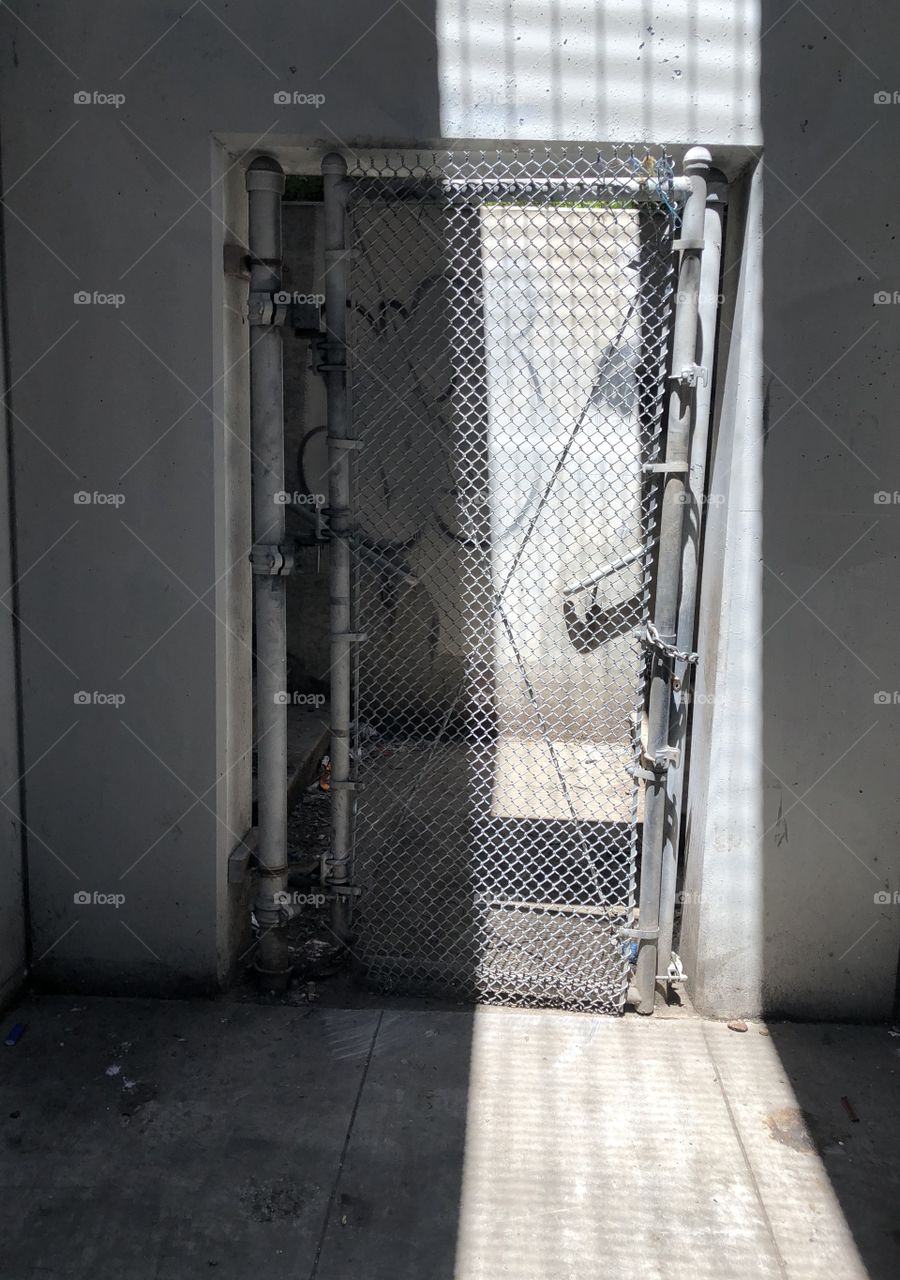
<point x="667" y="635"/>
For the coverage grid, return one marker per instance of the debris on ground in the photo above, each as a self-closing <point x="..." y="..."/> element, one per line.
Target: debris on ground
<point x="848" y="1107"/>
<point x="737" y="1025"/>
<point x="15" y="1033"/>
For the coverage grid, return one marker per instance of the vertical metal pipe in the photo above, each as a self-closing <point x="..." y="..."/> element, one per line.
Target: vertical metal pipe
<point x="690" y="558"/>
<point x="336" y="867"/>
<point x="668" y="575"/>
<point x="265" y="186"/>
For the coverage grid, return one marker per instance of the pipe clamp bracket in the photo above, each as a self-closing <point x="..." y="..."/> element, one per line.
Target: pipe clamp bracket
<point x="272" y="560"/>
<point x="691" y="375"/>
<point x="666" y="468"/>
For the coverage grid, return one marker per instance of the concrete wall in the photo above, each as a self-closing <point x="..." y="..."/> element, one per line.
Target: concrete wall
<point x="142" y="400"/>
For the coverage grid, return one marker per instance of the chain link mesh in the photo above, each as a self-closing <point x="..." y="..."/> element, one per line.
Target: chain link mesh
<point x="508" y="330"/>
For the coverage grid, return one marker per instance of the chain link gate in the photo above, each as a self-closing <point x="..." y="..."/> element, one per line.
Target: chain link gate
<point x="508" y="323"/>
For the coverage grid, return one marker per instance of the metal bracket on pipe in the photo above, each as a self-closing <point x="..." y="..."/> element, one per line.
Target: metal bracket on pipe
<point x="343" y="891"/>
<point x="658" y="765"/>
<point x="688" y="244"/>
<point x="267" y="309"/>
<point x="264" y="308"/>
<point x="690" y="375"/>
<point x="675" y="971"/>
<point x="642" y="935"/>
<point x="272" y="560"/>
<point x="330" y="357"/>
<point x="666" y="468"/>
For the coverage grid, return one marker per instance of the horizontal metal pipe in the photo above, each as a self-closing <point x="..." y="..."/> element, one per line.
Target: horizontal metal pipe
<point x="605" y="571"/>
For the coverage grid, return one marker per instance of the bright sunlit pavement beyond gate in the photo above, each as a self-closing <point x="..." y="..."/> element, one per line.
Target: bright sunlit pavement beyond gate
<point x="509" y="320"/>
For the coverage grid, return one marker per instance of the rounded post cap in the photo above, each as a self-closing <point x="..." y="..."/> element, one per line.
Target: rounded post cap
<point x="334" y="165"/>
<point x="696" y="160"/>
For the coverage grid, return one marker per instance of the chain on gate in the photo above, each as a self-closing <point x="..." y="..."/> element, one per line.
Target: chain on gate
<point x="508" y="330"/>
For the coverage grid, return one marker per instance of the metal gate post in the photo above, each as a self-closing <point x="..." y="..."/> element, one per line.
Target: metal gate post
<point x="661" y="633"/>
<point x="690" y="560"/>
<point x="336" y="864"/>
<point x="270" y="561"/>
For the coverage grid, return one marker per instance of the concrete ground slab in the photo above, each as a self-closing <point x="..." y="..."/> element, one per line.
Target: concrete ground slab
<point x="154" y="1140"/>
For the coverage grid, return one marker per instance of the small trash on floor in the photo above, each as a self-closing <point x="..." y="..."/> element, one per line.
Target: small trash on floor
<point x="15" y="1033"/>
<point x="848" y="1107"/>
<point x="737" y="1025"/>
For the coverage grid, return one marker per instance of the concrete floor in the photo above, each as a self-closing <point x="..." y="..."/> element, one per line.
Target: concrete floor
<point x="160" y="1141"/>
